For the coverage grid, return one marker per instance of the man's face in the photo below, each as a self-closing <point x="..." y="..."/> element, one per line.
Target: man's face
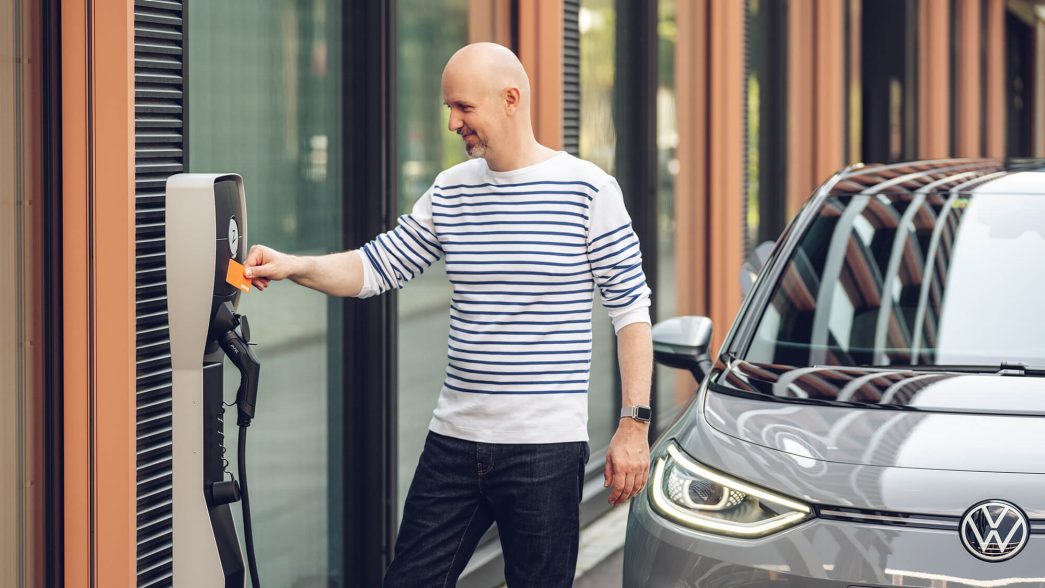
<point x="466" y="121"/>
<point x="473" y="114"/>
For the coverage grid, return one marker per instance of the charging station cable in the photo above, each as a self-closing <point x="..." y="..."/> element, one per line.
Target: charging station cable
<point x="248" y="533"/>
<point x="237" y="348"/>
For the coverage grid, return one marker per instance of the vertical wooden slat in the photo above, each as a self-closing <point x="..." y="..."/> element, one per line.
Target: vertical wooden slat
<point x="541" y="53"/>
<point x="98" y="225"/>
<point x="934" y="79"/>
<point x="113" y="296"/>
<point x="801" y="102"/>
<point x="816" y="96"/>
<point x="490" y="20"/>
<point x="709" y="187"/>
<point x="854" y="87"/>
<point x="727" y="168"/>
<point x="995" y="82"/>
<point x="75" y="310"/>
<point x="691" y="193"/>
<point x="829" y="90"/>
<point x="969" y="128"/>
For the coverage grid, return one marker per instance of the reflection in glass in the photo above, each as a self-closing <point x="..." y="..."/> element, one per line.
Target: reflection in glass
<point x="915" y="278"/>
<point x="1021" y="95"/>
<point x="598" y="142"/>
<point x="668" y="397"/>
<point x="428" y="34"/>
<point x="265" y="99"/>
<point x="765" y="121"/>
<point x="888" y="68"/>
<point x="597" y="20"/>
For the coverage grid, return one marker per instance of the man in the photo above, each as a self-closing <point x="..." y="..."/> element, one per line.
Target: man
<point x="527" y="233"/>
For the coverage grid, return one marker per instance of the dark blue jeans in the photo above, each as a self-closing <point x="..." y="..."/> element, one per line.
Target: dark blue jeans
<point x="460" y="488"/>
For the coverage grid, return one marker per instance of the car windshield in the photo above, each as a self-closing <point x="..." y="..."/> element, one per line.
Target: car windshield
<point x="922" y="279"/>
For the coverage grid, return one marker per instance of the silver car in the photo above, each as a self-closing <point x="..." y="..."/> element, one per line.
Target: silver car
<point x="876" y="415"/>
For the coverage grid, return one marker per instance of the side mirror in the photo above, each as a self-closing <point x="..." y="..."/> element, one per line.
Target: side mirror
<point x="682" y="342"/>
<point x="754" y="264"/>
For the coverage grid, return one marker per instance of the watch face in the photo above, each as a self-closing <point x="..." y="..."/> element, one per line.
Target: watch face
<point x="643" y="412"/>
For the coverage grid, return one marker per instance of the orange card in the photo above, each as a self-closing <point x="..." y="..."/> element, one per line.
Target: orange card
<point x="235" y="276"/>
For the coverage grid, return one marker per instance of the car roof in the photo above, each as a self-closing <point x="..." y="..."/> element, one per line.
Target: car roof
<point x="982" y="176"/>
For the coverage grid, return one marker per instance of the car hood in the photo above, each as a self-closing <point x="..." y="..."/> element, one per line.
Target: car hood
<point x="902" y="418"/>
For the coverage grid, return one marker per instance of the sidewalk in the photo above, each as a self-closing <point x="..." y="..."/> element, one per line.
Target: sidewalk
<point x="606" y="574"/>
<point x="600" y="560"/>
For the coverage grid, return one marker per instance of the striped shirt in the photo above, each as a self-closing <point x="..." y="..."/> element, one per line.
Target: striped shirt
<point x="525" y="252"/>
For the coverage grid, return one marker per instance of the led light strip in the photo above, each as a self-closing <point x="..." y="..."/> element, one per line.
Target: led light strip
<point x="716" y="477"/>
<point x="669" y="509"/>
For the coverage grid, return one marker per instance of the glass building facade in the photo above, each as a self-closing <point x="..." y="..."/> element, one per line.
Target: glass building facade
<point x="265" y="100"/>
<point x="429" y="33"/>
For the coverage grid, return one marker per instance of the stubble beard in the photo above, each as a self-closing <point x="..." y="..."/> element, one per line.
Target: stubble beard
<point x="477" y="150"/>
<point x="474" y="150"/>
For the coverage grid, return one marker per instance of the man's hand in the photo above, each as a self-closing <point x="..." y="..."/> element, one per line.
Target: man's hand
<point x="337" y="274"/>
<point x="264" y="264"/>
<point x="627" y="462"/>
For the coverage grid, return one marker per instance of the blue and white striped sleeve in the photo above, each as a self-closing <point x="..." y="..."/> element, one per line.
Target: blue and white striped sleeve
<point x="616" y="261"/>
<point x="394" y="258"/>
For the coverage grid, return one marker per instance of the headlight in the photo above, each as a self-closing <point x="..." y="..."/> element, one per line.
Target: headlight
<point x="701" y="498"/>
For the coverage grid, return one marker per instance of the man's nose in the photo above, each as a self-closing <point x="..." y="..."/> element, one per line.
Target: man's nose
<point x="455" y="122"/>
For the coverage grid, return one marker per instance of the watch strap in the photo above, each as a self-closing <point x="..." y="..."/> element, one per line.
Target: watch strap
<point x="639" y="412"/>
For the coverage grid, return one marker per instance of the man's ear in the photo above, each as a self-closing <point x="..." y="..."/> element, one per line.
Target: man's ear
<point x="512" y="99"/>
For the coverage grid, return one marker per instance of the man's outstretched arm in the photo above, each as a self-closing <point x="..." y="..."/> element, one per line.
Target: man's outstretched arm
<point x="392" y="259"/>
<point x="337" y="274"/>
<point x="627" y="461"/>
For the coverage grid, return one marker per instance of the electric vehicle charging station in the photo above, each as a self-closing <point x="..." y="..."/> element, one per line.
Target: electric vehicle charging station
<point x="206" y="230"/>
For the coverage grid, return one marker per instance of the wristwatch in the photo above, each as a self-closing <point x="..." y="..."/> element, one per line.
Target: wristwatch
<point x="639" y="412"/>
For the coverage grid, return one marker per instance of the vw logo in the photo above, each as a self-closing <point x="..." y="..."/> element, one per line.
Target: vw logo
<point x="994" y="530"/>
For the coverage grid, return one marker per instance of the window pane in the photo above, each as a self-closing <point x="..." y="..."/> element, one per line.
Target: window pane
<point x="428" y="34"/>
<point x="265" y="99"/>
<point x="766" y="117"/>
<point x="673" y="386"/>
<point x="1019" y="86"/>
<point x="889" y="56"/>
<point x="597" y="21"/>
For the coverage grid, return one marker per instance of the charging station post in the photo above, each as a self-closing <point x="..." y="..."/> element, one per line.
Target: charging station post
<point x="206" y="229"/>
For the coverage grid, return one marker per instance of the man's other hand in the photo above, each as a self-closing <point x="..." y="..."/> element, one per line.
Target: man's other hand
<point x="627" y="462"/>
<point x="264" y="264"/>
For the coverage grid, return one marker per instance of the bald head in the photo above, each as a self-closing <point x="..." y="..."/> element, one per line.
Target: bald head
<point x="488" y="94"/>
<point x="487" y="67"/>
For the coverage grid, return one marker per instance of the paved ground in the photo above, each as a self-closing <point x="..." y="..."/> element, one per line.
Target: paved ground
<point x="607" y="574"/>
<point x="601" y="557"/>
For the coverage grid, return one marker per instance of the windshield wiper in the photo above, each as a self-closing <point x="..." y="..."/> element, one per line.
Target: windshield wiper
<point x="1005" y="368"/>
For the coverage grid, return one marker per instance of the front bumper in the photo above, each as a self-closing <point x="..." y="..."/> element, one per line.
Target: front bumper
<point x="816" y="554"/>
